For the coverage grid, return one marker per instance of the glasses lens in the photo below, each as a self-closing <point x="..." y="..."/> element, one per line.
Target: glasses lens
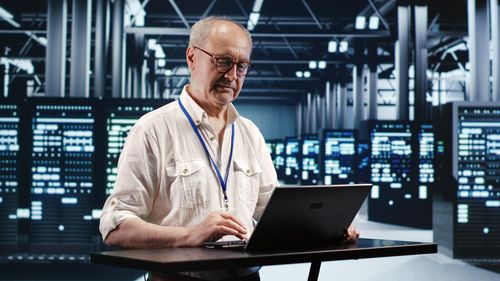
<point x="224" y="64"/>
<point x="243" y="68"/>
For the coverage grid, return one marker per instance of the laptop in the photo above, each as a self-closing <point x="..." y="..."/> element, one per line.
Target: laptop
<point x="303" y="217"/>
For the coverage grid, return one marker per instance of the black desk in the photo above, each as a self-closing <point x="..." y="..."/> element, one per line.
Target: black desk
<point x="173" y="260"/>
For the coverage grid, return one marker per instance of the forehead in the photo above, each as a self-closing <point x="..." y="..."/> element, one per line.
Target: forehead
<point x="226" y="38"/>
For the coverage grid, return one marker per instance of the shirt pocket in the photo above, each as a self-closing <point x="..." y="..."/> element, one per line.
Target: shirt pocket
<point x="247" y="173"/>
<point x="189" y="179"/>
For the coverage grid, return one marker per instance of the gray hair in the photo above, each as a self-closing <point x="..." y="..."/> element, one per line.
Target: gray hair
<point x="201" y="29"/>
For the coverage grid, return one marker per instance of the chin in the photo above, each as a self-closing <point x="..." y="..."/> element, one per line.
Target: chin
<point x="224" y="98"/>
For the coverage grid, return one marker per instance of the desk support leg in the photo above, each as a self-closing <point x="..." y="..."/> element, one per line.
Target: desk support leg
<point x="314" y="271"/>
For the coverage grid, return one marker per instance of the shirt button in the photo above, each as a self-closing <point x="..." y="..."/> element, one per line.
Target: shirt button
<point x="185" y="171"/>
<point x="198" y="122"/>
<point x="248" y="172"/>
<point x="212" y="138"/>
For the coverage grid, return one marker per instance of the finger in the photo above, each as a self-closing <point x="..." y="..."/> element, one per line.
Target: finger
<point x="233" y="225"/>
<point x="224" y="230"/>
<point x="353" y="235"/>
<point x="235" y="220"/>
<point x="241" y="236"/>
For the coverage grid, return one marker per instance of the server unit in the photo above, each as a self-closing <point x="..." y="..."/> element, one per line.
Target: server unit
<point x="402" y="173"/>
<point x="474" y="228"/>
<point x="310" y="160"/>
<point x="292" y="160"/>
<point x="339" y="156"/>
<point x="59" y="196"/>
<point x="9" y="179"/>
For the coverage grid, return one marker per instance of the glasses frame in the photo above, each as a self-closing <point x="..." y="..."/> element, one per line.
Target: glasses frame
<point x="233" y="63"/>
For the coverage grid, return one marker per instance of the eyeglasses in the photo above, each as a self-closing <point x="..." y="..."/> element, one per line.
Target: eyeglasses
<point x="225" y="64"/>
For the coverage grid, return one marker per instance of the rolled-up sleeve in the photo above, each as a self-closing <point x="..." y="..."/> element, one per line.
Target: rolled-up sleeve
<point x="137" y="181"/>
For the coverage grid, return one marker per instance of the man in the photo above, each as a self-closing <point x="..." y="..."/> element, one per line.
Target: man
<point x="194" y="170"/>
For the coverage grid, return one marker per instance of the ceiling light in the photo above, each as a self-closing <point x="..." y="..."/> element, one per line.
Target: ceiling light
<point x="161" y="62"/>
<point x="322" y="64"/>
<point x="257" y="5"/>
<point x="134" y="11"/>
<point x="159" y="53"/>
<point x="332" y="46"/>
<point x="252" y="20"/>
<point x="343" y="46"/>
<point x="313" y="64"/>
<point x="5" y="14"/>
<point x="8" y="17"/>
<point x="168" y="72"/>
<point x="373" y="23"/>
<point x="307" y="74"/>
<point x="298" y="74"/>
<point x="151" y="44"/>
<point x="133" y="6"/>
<point x="140" y="18"/>
<point x="360" y="22"/>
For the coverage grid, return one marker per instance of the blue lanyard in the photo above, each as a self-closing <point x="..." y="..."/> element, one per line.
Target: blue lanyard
<point x="223" y="182"/>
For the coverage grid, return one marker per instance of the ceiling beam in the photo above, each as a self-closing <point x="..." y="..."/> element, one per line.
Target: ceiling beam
<point x="185" y="31"/>
<point x="312" y="14"/>
<point x="179" y="13"/>
<point x="379" y="14"/>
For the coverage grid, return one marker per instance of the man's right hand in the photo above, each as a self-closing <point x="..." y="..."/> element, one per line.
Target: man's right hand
<point x="214" y="227"/>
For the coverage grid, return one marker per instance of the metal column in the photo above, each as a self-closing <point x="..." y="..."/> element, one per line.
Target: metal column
<point x="328" y="105"/>
<point x="372" y="82"/>
<point x="101" y="47"/>
<point x="495" y="44"/>
<point x="55" y="54"/>
<point x="307" y="114"/>
<point x="477" y="11"/>
<point x="127" y="90"/>
<point x="372" y="92"/>
<point x="299" y="114"/>
<point x="333" y="111"/>
<point x="322" y="110"/>
<point x="4" y="82"/>
<point x="402" y="62"/>
<point x="136" y="62"/>
<point x="314" y="114"/>
<point x="80" y="49"/>
<point x="357" y="94"/>
<point x="342" y="105"/>
<point x="420" y="109"/>
<point x="118" y="69"/>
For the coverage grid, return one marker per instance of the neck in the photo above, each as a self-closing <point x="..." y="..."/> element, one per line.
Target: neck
<point x="216" y="111"/>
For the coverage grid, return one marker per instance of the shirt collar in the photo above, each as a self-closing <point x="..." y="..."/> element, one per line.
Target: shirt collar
<point x="199" y="115"/>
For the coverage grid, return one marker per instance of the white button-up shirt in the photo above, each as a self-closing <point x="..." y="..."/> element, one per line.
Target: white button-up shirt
<point x="165" y="177"/>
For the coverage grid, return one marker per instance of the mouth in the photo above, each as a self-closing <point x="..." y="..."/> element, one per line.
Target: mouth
<point x="224" y="88"/>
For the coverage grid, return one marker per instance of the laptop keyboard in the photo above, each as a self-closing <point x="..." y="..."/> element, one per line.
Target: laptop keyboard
<point x="225" y="244"/>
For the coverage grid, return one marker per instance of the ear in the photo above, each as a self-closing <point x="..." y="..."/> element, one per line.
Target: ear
<point x="190" y="59"/>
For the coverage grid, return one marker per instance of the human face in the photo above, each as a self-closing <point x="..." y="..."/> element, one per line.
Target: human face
<point x="209" y="86"/>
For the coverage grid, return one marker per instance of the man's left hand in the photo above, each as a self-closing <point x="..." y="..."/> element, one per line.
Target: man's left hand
<point x="351" y="234"/>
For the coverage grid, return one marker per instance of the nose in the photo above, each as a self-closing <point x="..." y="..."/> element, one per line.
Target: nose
<point x="231" y="74"/>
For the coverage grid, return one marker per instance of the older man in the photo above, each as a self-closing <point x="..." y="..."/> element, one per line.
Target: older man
<point x="194" y="170"/>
